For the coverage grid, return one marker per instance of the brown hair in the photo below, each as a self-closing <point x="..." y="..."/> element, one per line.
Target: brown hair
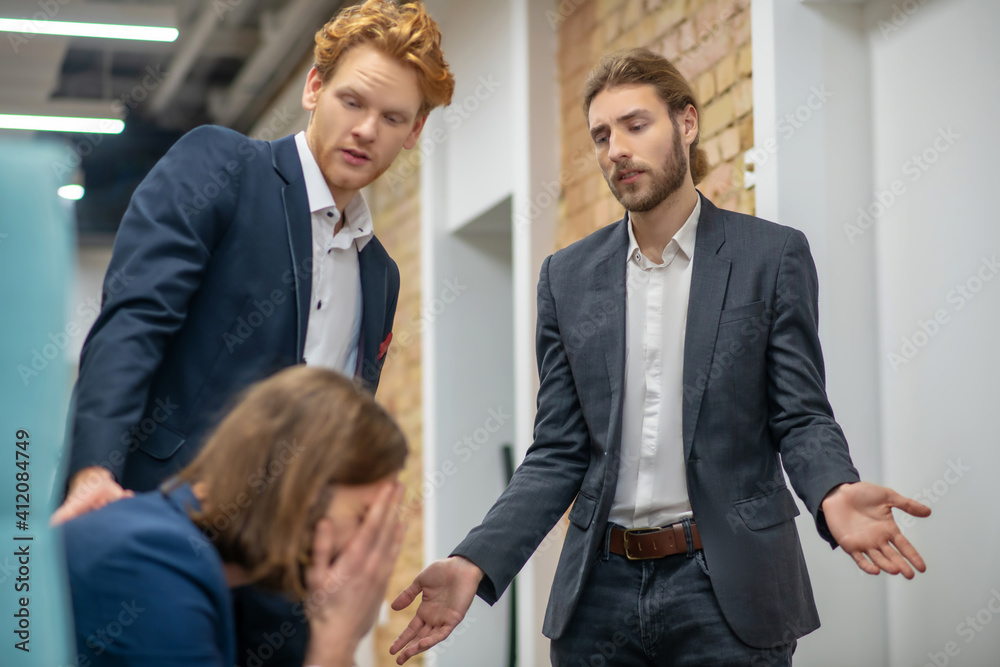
<point x="642" y="66"/>
<point x="405" y="32"/>
<point x="266" y="473"/>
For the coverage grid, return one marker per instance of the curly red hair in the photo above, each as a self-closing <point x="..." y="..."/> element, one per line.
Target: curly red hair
<point x="405" y="32"/>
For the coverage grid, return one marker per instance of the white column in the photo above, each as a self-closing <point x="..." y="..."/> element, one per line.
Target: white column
<point x="812" y="131"/>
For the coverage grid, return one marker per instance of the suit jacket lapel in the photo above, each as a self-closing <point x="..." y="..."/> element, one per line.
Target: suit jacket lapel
<point x="709" y="278"/>
<point x="609" y="287"/>
<point x="374" y="297"/>
<point x="285" y="158"/>
<point x="610" y="299"/>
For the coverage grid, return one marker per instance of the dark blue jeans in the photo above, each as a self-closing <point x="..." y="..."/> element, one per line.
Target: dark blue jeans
<point x="655" y="612"/>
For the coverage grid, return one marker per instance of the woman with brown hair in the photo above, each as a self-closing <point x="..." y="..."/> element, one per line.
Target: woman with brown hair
<point x="294" y="492"/>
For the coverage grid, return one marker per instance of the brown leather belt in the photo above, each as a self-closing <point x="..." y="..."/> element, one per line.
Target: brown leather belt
<point x="645" y="543"/>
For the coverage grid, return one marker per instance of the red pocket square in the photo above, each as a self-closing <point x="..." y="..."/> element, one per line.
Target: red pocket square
<point x="384" y="346"/>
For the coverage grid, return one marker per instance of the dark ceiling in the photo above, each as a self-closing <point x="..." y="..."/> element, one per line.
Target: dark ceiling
<point x="232" y="58"/>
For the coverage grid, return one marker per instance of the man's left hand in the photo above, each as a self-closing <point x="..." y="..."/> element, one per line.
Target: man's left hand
<point x="859" y="516"/>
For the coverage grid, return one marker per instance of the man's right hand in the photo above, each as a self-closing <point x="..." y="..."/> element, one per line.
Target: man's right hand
<point x="448" y="587"/>
<point x="90" y="489"/>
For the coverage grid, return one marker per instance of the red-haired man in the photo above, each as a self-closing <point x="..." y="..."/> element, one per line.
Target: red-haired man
<point x="245" y="257"/>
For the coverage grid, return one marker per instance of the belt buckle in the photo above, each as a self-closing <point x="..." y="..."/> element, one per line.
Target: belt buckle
<point x="639" y="531"/>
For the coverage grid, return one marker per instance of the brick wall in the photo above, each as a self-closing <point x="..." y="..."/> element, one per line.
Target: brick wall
<point x="708" y="40"/>
<point x="394" y="200"/>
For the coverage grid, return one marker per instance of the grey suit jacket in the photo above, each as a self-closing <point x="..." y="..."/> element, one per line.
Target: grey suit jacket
<point x="754" y="398"/>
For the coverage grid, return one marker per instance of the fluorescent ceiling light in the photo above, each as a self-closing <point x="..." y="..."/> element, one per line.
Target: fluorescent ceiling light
<point x="101" y="30"/>
<point x="62" y="124"/>
<point x="71" y="192"/>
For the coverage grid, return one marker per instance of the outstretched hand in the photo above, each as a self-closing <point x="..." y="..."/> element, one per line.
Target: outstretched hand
<point x="859" y="516"/>
<point x="448" y="587"/>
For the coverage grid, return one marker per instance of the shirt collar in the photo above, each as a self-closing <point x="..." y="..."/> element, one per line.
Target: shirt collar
<point x="358" y="224"/>
<point x="684" y="239"/>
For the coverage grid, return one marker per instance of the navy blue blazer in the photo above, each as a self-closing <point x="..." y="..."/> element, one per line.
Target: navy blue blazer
<point x="208" y="291"/>
<point x="148" y="588"/>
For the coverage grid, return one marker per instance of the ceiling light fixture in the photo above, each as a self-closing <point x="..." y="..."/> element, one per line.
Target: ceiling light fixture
<point x="71" y="192"/>
<point x="99" y="30"/>
<point x="62" y="124"/>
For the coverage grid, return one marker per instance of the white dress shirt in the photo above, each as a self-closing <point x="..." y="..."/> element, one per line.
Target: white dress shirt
<point x="335" y="309"/>
<point x="652" y="487"/>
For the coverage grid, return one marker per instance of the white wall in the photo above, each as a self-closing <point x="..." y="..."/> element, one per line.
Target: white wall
<point x="810" y="107"/>
<point x="467" y="349"/>
<point x="486" y="158"/>
<point x="536" y="207"/>
<point x="474" y="407"/>
<point x="899" y="73"/>
<point x="85" y="300"/>
<point x="477" y="40"/>
<point x="934" y="70"/>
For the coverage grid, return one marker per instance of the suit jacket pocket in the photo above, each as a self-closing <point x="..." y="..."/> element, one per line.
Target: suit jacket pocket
<point x="162" y="443"/>
<point x="583" y="511"/>
<point x="767" y="509"/>
<point x="752" y="309"/>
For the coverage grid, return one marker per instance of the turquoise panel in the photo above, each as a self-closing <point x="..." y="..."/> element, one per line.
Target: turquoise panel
<point x="37" y="263"/>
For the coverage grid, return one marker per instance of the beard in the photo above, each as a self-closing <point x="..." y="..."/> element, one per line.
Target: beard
<point x="665" y="181"/>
